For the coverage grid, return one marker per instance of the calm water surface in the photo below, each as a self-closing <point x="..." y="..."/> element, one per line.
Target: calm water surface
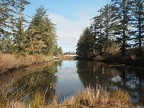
<point x="65" y="78"/>
<point x="77" y="75"/>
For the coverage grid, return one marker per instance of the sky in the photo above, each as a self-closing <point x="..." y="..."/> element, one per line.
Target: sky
<point x="70" y="16"/>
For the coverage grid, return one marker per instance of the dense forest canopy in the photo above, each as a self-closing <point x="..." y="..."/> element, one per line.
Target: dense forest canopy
<point x="117" y="27"/>
<point x="38" y="38"/>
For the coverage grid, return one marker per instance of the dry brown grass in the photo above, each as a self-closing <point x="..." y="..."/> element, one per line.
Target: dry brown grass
<point x="88" y="98"/>
<point x="9" y="61"/>
<point x="65" y="57"/>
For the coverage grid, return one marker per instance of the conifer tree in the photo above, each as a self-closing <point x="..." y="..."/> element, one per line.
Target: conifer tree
<point x="122" y="16"/>
<point x="18" y="29"/>
<point x="98" y="34"/>
<point x="137" y="21"/>
<point x="6" y="19"/>
<point x="105" y="19"/>
<point x="11" y="25"/>
<point x="84" y="44"/>
<point x="41" y="37"/>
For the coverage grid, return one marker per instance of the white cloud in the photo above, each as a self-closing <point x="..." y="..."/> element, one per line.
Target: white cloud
<point x="68" y="31"/>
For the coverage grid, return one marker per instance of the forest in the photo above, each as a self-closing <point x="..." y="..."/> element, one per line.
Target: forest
<point x="20" y="36"/>
<point x="115" y="34"/>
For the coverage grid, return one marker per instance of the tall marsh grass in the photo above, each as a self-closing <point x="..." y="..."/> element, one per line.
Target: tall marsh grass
<point x="9" y="61"/>
<point x="87" y="98"/>
<point x="90" y="98"/>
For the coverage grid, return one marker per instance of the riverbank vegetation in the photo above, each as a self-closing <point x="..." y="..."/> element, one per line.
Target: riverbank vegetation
<point x="10" y="62"/>
<point x="89" y="98"/>
<point x="24" y="42"/>
<point x="118" y="26"/>
<point x="35" y="87"/>
<point x="116" y="33"/>
<point x="22" y="85"/>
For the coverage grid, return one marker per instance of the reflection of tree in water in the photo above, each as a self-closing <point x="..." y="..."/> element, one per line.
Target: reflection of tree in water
<point x="114" y="78"/>
<point x="94" y="73"/>
<point x="133" y="80"/>
<point x="42" y="81"/>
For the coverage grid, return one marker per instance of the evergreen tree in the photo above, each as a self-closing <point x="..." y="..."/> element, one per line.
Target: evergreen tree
<point x="116" y="25"/>
<point x="103" y="28"/>
<point x="58" y="51"/>
<point x="84" y="44"/>
<point x="98" y="34"/>
<point x="41" y="37"/>
<point x="6" y="19"/>
<point x="121" y="11"/>
<point x="18" y="26"/>
<point x="11" y="26"/>
<point x="137" y="21"/>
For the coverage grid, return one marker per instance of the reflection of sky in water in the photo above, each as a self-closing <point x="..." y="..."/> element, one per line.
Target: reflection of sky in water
<point x="134" y="97"/>
<point x="68" y="81"/>
<point x="116" y="79"/>
<point x="132" y="83"/>
<point x="68" y="64"/>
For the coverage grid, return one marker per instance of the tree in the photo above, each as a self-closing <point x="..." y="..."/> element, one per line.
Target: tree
<point x="11" y="27"/>
<point x="137" y="21"/>
<point x="102" y="28"/>
<point x="121" y="10"/>
<point x="98" y="34"/>
<point x="41" y="37"/>
<point x="84" y="44"/>
<point x="6" y="19"/>
<point x="18" y="26"/>
<point x="58" y="51"/>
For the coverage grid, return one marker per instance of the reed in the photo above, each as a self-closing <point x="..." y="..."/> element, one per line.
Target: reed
<point x="88" y="98"/>
<point x="38" y="101"/>
<point x="9" y="61"/>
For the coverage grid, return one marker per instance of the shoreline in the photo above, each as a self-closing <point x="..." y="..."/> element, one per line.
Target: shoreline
<point x="88" y="98"/>
<point x="133" y="57"/>
<point x="9" y="62"/>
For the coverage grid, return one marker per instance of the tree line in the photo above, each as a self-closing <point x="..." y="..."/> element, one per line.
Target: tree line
<point x="18" y="36"/>
<point x="118" y="25"/>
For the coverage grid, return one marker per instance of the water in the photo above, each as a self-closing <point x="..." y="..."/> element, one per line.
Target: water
<point x="68" y="81"/>
<point x="68" y="77"/>
<point x="73" y="76"/>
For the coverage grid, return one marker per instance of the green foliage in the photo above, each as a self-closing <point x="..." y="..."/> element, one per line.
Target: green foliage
<point x="122" y="17"/>
<point x="6" y="19"/>
<point x="12" y="28"/>
<point x="41" y="37"/>
<point x="84" y="44"/>
<point x="137" y="22"/>
<point x="119" y="25"/>
<point x="58" y="51"/>
<point x="18" y="31"/>
<point x="98" y="38"/>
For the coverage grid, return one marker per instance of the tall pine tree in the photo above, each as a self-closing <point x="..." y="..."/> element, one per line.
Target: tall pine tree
<point x="18" y="29"/>
<point x="122" y="16"/>
<point x="41" y="37"/>
<point x="137" y="21"/>
<point x="11" y="25"/>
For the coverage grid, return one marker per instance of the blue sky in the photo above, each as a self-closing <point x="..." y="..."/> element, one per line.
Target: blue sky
<point x="70" y="17"/>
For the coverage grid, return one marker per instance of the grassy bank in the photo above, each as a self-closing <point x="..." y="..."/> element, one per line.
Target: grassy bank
<point x="88" y="98"/>
<point x="10" y="62"/>
<point x="133" y="56"/>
